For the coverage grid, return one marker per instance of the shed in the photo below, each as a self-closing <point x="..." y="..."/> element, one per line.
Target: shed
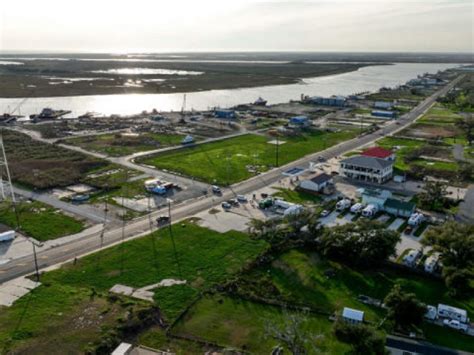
<point x="353" y="316"/>
<point x="399" y="208"/>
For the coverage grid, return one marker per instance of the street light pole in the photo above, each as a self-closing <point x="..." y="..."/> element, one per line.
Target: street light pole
<point x="36" y="261"/>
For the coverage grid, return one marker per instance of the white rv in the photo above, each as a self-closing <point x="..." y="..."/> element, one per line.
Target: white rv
<point x="431" y="263"/>
<point x="411" y="257"/>
<point x="356" y="208"/>
<point x="451" y="312"/>
<point x="342" y="205"/>
<point x="370" y="211"/>
<point x="416" y="219"/>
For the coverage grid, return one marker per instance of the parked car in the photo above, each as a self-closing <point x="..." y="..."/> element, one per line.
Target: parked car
<point x="7" y="236"/>
<point x="216" y="189"/>
<point x="162" y="220"/>
<point x="242" y="198"/>
<point x="226" y="206"/>
<point x="455" y="324"/>
<point x="325" y="213"/>
<point x="233" y="202"/>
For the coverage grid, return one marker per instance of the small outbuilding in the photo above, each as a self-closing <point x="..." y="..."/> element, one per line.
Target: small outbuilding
<point x="299" y="121"/>
<point x="316" y="184"/>
<point x="352" y="316"/>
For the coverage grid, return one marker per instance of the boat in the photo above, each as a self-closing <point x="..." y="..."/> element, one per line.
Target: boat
<point x="49" y="113"/>
<point x="260" y="102"/>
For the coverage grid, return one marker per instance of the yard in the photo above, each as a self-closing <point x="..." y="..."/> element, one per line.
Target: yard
<point x="295" y="196"/>
<point x="39" y="221"/>
<point x="439" y="114"/>
<point x="241" y="324"/>
<point x="302" y="278"/>
<point x="71" y="307"/>
<point x="120" y="144"/>
<point x="237" y="159"/>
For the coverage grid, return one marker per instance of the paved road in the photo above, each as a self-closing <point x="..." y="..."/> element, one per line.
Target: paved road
<point x="141" y="226"/>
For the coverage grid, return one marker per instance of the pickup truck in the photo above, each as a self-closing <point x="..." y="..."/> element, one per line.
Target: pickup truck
<point x="455" y="324"/>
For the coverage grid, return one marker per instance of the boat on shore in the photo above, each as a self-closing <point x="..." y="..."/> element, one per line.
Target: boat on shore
<point x="48" y="114"/>
<point x="260" y="102"/>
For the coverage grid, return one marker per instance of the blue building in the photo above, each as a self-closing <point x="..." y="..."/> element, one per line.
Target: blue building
<point x="338" y="101"/>
<point x="225" y="114"/>
<point x="300" y="121"/>
<point x="384" y="114"/>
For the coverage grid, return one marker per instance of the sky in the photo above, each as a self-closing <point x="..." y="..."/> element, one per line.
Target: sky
<point x="122" y="26"/>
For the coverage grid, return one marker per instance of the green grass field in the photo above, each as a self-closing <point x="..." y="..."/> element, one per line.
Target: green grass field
<point x="225" y="162"/>
<point x="241" y="324"/>
<point x="118" y="145"/>
<point x="295" y="196"/>
<point x="51" y="314"/>
<point x="405" y="146"/>
<point x="440" y="114"/>
<point x="300" y="278"/>
<point x="40" y="221"/>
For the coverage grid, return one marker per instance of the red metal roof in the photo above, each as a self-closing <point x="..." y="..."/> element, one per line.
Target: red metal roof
<point x="377" y="152"/>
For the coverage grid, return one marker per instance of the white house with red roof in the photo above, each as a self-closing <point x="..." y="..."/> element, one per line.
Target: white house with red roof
<point x="379" y="152"/>
<point x="373" y="165"/>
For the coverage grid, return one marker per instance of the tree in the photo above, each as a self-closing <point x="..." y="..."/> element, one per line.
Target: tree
<point x="433" y="195"/>
<point x="362" y="338"/>
<point x="455" y="243"/>
<point x="466" y="123"/>
<point x="404" y="308"/>
<point x="364" y="243"/>
<point x="293" y="334"/>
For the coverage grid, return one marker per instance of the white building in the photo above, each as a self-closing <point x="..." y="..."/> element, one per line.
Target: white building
<point x="316" y="184"/>
<point x="367" y="169"/>
<point x="352" y="316"/>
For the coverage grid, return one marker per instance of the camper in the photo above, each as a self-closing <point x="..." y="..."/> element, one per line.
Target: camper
<point x="431" y="263"/>
<point x="411" y="258"/>
<point x="357" y="208"/>
<point x="344" y="204"/>
<point x="451" y="312"/>
<point x="370" y="211"/>
<point x="416" y="219"/>
<point x="7" y="236"/>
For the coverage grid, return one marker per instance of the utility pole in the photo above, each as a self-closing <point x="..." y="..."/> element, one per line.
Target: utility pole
<point x="276" y="150"/>
<point x="172" y="238"/>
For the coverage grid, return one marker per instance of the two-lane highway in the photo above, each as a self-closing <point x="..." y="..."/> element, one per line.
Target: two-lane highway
<point x="140" y="227"/>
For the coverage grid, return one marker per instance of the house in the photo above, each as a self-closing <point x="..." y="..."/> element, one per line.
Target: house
<point x="384" y="105"/>
<point x="225" y="114"/>
<point x="452" y="313"/>
<point x="300" y="121"/>
<point x="316" y="184"/>
<point x="376" y="197"/>
<point x="379" y="152"/>
<point x="352" y="316"/>
<point x="399" y="208"/>
<point x="384" y="114"/>
<point x="368" y="169"/>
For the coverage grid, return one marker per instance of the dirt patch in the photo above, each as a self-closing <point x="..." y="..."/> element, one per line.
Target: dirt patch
<point x="430" y="132"/>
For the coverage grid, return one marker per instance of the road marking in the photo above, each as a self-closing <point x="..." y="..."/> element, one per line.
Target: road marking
<point x="44" y="257"/>
<point x="21" y="264"/>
